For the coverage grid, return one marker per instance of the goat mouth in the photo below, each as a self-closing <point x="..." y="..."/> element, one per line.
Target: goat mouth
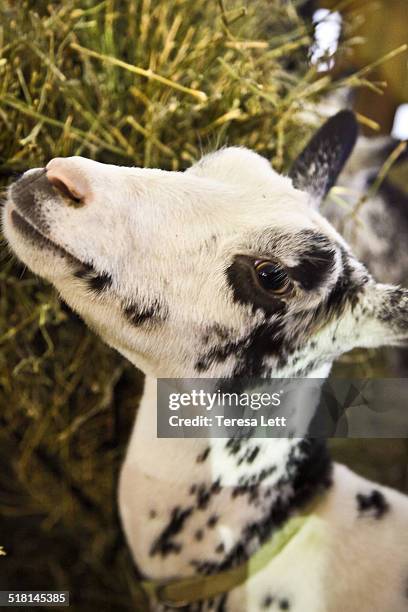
<point x="33" y="235"/>
<point x="30" y="232"/>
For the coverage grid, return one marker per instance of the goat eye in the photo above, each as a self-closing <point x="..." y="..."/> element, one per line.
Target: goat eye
<point x="271" y="277"/>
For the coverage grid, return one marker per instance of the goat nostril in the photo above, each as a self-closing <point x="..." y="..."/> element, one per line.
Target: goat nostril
<point x="65" y="191"/>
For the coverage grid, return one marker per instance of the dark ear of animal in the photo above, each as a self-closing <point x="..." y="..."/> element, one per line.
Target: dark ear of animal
<point x="321" y="161"/>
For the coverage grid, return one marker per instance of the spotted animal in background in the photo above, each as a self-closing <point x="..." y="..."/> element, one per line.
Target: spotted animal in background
<point x="379" y="238"/>
<point x="228" y="270"/>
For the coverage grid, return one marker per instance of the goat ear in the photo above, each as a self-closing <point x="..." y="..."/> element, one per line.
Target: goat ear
<point x="383" y="317"/>
<point x="321" y="161"/>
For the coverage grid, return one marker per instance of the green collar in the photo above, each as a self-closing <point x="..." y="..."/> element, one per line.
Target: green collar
<point x="180" y="593"/>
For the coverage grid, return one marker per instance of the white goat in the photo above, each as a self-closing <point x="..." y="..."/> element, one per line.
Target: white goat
<point x="228" y="269"/>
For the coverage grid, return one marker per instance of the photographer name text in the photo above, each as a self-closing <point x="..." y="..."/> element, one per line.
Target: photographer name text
<point x="222" y="421"/>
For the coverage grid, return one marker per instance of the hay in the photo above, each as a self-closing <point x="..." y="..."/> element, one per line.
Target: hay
<point x="150" y="83"/>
